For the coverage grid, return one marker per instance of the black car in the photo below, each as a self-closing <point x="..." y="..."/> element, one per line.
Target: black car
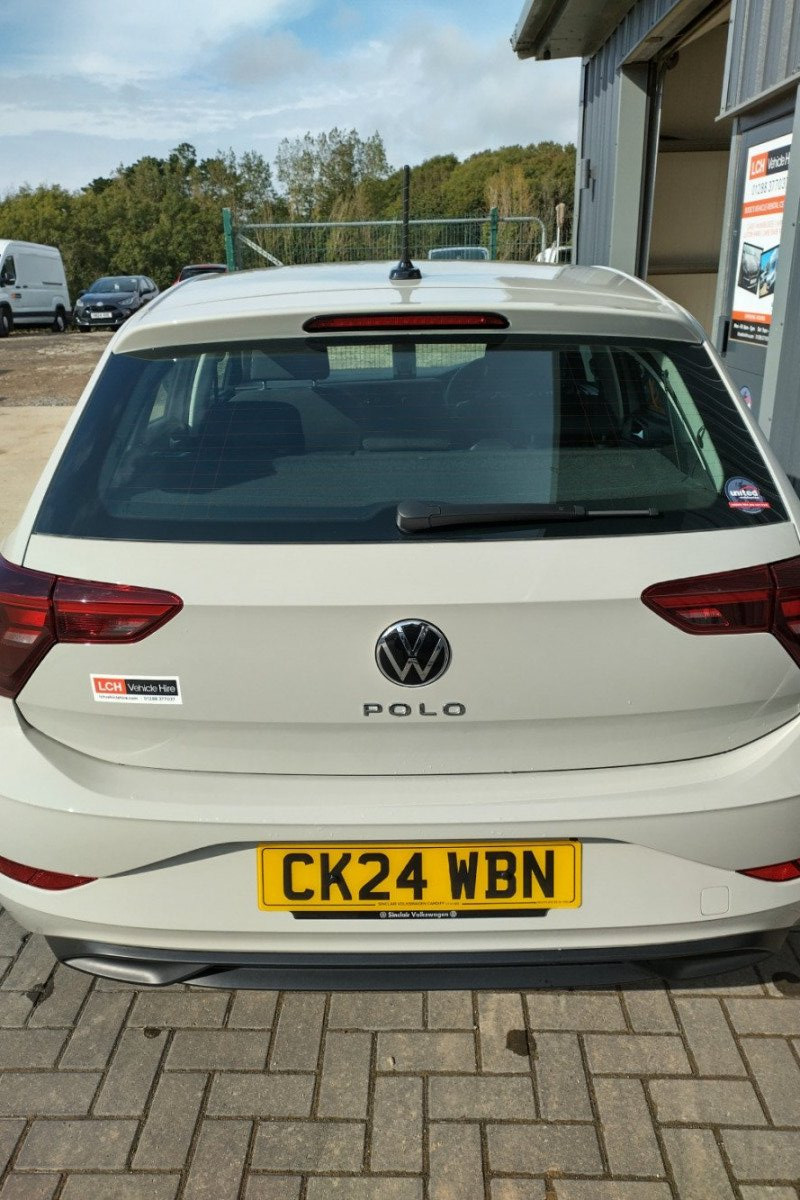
<point x="195" y="269"/>
<point x="111" y="300"/>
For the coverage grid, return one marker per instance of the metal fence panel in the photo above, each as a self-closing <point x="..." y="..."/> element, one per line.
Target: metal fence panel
<point x="294" y="242"/>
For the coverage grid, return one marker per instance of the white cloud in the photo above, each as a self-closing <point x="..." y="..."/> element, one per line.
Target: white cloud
<point x="258" y="62"/>
<point x="147" y="40"/>
<point x="140" y="81"/>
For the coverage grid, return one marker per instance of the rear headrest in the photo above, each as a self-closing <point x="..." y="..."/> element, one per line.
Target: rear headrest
<point x="265" y="424"/>
<point x="309" y="365"/>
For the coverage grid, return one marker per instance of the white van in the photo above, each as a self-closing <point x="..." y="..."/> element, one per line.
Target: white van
<point x="33" y="287"/>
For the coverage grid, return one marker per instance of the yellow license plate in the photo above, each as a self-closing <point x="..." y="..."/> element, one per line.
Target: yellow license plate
<point x="436" y="878"/>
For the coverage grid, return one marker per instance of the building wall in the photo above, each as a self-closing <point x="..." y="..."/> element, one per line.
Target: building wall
<point x="764" y="53"/>
<point x="765" y="49"/>
<point x="758" y="92"/>
<point x="637" y="25"/>
<point x="600" y="118"/>
<point x="593" y="235"/>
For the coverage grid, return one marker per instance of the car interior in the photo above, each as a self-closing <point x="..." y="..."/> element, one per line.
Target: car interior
<point x="223" y="417"/>
<point x="322" y="438"/>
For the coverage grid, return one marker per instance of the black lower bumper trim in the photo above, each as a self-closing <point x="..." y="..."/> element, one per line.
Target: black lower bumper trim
<point x="512" y="969"/>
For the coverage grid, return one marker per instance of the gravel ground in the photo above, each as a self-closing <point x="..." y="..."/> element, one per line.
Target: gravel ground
<point x="41" y="377"/>
<point x="47" y="369"/>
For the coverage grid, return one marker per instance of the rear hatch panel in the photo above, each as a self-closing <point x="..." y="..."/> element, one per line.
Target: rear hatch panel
<point x="556" y="662"/>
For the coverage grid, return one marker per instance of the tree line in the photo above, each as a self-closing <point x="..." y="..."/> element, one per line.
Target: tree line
<point x="159" y="213"/>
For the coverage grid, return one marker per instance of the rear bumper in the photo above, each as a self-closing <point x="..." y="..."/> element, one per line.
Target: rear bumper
<point x="65" y="811"/>
<point x="176" y="860"/>
<point x="414" y="972"/>
<point x="114" y="323"/>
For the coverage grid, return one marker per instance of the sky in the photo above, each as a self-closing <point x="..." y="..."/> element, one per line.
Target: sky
<point x="89" y="86"/>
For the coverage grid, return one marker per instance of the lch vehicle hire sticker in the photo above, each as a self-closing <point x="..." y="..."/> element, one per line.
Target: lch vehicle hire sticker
<point x="745" y="495"/>
<point x="136" y="689"/>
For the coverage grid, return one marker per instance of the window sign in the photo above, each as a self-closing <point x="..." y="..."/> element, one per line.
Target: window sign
<point x="759" y="239"/>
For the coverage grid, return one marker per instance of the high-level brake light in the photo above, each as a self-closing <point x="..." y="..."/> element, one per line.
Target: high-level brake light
<point x="38" y="610"/>
<point x="376" y="322"/>
<point x="763" y="599"/>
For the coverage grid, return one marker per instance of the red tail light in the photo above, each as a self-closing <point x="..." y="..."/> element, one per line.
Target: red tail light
<point x="51" y="881"/>
<point x="26" y="624"/>
<point x="38" y="610"/>
<point x="105" y="612"/>
<point x="763" y="599"/>
<point x="777" y="872"/>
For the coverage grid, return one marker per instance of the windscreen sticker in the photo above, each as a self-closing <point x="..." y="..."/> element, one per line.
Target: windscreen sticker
<point x="745" y="495"/>
<point x="136" y="689"/>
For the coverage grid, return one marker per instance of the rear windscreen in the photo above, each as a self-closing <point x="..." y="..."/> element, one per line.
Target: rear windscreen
<point x="318" y="440"/>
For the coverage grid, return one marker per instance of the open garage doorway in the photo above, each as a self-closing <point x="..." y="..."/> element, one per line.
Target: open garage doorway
<point x="687" y="172"/>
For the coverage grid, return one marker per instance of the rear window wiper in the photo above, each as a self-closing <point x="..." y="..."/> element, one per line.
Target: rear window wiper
<point x="418" y="516"/>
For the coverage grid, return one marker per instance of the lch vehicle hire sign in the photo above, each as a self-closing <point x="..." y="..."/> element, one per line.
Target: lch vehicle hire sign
<point x="759" y="239"/>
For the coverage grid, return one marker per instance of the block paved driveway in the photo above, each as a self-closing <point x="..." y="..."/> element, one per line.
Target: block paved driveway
<point x="605" y="1092"/>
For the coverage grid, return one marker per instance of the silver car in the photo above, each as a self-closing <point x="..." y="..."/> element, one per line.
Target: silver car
<point x="365" y="632"/>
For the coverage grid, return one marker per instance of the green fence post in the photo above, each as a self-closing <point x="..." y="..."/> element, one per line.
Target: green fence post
<point x="227" y="228"/>
<point x="494" y="223"/>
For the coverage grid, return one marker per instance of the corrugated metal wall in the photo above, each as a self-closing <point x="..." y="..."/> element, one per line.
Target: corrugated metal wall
<point x="642" y="18"/>
<point x="765" y="42"/>
<point x="600" y="114"/>
<point x="601" y="82"/>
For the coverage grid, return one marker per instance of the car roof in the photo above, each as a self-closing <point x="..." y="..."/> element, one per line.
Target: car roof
<point x="536" y="298"/>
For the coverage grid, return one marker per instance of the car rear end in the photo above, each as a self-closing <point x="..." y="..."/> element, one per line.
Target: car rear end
<point x="362" y="629"/>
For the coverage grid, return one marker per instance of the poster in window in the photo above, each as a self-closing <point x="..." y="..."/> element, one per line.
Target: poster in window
<point x="759" y="239"/>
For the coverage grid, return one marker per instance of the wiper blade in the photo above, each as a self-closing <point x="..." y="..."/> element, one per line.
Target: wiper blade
<point x="417" y="516"/>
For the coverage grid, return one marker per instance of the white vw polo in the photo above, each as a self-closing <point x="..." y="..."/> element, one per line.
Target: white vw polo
<point x="416" y="631"/>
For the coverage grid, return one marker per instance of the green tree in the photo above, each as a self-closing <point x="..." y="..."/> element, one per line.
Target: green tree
<point x="550" y="171"/>
<point x="156" y="214"/>
<point x="319" y="171"/>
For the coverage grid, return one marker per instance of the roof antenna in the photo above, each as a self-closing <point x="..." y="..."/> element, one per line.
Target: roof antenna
<point x="405" y="269"/>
